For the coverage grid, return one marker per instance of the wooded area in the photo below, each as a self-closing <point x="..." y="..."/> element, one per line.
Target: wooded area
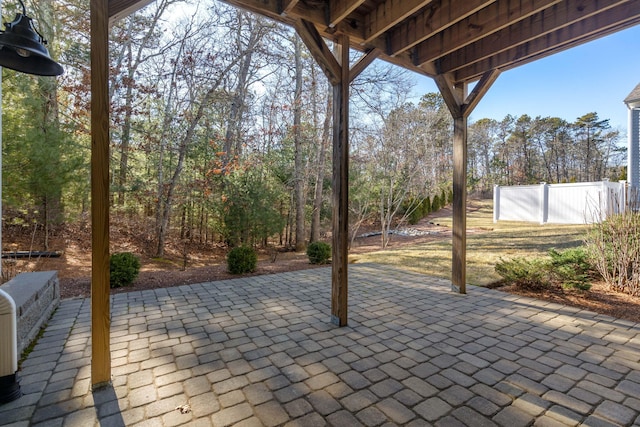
<point x="221" y="130"/>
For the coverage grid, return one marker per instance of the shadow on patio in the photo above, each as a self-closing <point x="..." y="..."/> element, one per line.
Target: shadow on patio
<point x="261" y="351"/>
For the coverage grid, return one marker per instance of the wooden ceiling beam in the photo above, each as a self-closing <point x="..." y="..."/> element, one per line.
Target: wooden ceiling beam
<point x="340" y="9"/>
<point x="493" y="18"/>
<point x="269" y="8"/>
<point x="119" y="9"/>
<point x="613" y="20"/>
<point x="355" y="35"/>
<point x="319" y="50"/>
<point x="479" y="90"/>
<point x="434" y="18"/>
<point x="552" y="19"/>
<point x="363" y="63"/>
<point x="353" y="27"/>
<point x="388" y="14"/>
<point x="452" y="98"/>
<point x="286" y="6"/>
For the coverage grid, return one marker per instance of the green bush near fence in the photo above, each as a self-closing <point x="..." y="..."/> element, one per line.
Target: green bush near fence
<point x="568" y="269"/>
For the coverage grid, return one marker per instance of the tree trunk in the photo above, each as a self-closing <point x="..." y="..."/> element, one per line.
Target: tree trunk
<point x="53" y="211"/>
<point x="126" y="124"/>
<point x="133" y="62"/>
<point x="232" y="140"/>
<point x="297" y="141"/>
<point x="126" y="136"/>
<point x="182" y="153"/>
<point x="320" y="165"/>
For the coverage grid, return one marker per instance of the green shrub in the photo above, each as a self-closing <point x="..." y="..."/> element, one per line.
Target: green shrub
<point x="571" y="268"/>
<point x="319" y="252"/>
<point x="426" y="206"/>
<point x="416" y="209"/>
<point x="435" y="203"/>
<point x="414" y="217"/>
<point x="525" y="273"/>
<point x="242" y="259"/>
<point x="123" y="269"/>
<point x="568" y="269"/>
<point x="415" y="213"/>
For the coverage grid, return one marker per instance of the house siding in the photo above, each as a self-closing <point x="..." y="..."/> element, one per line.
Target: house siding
<point x="633" y="160"/>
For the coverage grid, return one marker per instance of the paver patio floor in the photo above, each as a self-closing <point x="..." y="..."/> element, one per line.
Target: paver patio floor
<point x="262" y="351"/>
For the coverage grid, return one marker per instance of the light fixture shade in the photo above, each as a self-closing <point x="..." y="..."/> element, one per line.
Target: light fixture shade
<point x="22" y="49"/>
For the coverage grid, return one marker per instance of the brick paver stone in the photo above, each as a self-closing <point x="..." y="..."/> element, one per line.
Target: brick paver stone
<point x="513" y="417"/>
<point x="323" y="402"/>
<point x="432" y="409"/>
<point x="371" y="416"/>
<point x="472" y="418"/>
<point x="396" y="411"/>
<point x="615" y="412"/>
<point x="343" y="418"/>
<point x="298" y="407"/>
<point x="564" y="415"/>
<point x="359" y="400"/>
<point x="271" y="413"/>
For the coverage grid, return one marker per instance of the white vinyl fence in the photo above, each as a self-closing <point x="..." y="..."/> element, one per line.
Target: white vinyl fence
<point x="579" y="203"/>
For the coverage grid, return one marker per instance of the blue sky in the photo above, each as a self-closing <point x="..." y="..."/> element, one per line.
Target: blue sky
<point x="596" y="76"/>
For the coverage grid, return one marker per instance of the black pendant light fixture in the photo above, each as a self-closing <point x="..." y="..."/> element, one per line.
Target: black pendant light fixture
<point x="23" y="49"/>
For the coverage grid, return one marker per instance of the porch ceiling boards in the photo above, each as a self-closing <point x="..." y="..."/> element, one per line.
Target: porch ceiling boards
<point x="462" y="39"/>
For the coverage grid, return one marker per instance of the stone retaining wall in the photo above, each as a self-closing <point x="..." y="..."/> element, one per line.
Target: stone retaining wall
<point x="36" y="295"/>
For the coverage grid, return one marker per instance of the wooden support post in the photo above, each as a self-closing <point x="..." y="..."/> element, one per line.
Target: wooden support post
<point x="339" y="280"/>
<point x="340" y="75"/>
<point x="100" y="312"/>
<point x="459" y="250"/>
<point x="460" y="105"/>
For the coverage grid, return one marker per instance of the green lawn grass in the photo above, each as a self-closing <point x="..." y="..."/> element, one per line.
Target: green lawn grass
<point x="502" y="240"/>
